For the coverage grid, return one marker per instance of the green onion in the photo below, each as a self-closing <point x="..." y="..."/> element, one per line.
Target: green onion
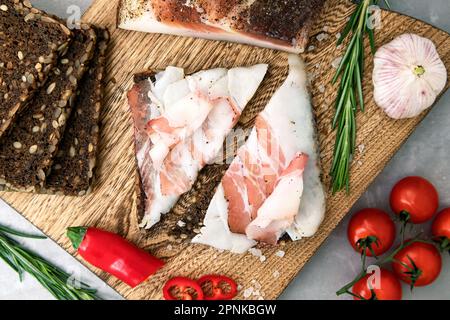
<point x="22" y="260"/>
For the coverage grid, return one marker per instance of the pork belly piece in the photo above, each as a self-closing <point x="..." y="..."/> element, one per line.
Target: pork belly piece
<point x="282" y="25"/>
<point x="273" y="185"/>
<point x="180" y="125"/>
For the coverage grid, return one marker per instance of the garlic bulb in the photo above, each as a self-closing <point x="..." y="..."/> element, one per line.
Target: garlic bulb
<point x="408" y="75"/>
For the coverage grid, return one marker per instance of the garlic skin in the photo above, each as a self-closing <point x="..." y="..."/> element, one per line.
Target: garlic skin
<point x="408" y="76"/>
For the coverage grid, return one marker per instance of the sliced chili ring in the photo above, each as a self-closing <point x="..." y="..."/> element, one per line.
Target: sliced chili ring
<point x="216" y="287"/>
<point x="182" y="288"/>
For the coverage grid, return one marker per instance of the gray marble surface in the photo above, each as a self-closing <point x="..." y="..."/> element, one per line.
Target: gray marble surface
<point x="335" y="263"/>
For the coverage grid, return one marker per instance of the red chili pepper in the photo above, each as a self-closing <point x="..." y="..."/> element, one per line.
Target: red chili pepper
<point x="184" y="289"/>
<point x="218" y="284"/>
<point x="113" y="254"/>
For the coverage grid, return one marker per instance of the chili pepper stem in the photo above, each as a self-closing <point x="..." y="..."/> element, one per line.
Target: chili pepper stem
<point x="76" y="235"/>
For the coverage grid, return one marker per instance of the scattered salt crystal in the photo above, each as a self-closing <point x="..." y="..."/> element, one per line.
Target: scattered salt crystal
<point x="339" y="47"/>
<point x="262" y="258"/>
<point x="311" y="48"/>
<point x="322" y="36"/>
<point x="280" y="253"/>
<point x="325" y="28"/>
<point x="322" y="88"/>
<point x="276" y="274"/>
<point x="255" y="252"/>
<point x="181" y="224"/>
<point x="361" y="148"/>
<point x="239" y="287"/>
<point x="248" y="292"/>
<point x="311" y="77"/>
<point x="360" y="163"/>
<point x="338" y="35"/>
<point x="257" y="285"/>
<point x="336" y="62"/>
<point x="169" y="247"/>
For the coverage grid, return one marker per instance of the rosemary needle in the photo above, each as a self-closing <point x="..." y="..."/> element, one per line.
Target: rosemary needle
<point x="22" y="260"/>
<point x="350" y="93"/>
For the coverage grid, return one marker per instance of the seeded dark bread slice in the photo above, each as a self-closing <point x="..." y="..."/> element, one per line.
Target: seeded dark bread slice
<point x="30" y="42"/>
<point x="27" y="150"/>
<point x="72" y="169"/>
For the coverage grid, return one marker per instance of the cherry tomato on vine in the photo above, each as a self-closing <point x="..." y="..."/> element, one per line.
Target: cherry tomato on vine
<point x="417" y="264"/>
<point x="389" y="287"/>
<point x="414" y="199"/>
<point x="441" y="229"/>
<point x="371" y="230"/>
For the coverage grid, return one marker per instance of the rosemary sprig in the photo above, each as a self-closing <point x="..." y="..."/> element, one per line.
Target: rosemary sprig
<point x="22" y="260"/>
<point x="350" y="93"/>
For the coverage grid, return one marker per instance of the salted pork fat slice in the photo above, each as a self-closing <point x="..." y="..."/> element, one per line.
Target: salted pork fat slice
<point x="180" y="124"/>
<point x="282" y="25"/>
<point x="273" y="185"/>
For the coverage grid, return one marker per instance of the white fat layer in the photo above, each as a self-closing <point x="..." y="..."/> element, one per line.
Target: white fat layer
<point x="295" y="129"/>
<point x="160" y="204"/>
<point x="285" y="198"/>
<point x="289" y="113"/>
<point x="239" y="76"/>
<point x="216" y="232"/>
<point x="179" y="101"/>
<point x="147" y="23"/>
<point x="166" y="78"/>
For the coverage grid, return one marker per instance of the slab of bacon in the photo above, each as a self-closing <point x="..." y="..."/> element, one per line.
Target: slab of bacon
<point x="279" y="24"/>
<point x="273" y="185"/>
<point x="180" y="124"/>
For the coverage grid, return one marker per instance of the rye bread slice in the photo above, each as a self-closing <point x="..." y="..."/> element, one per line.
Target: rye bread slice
<point x="72" y="169"/>
<point x="30" y="42"/>
<point x="27" y="150"/>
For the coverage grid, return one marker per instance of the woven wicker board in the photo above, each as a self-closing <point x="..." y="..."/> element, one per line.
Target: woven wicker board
<point x="113" y="206"/>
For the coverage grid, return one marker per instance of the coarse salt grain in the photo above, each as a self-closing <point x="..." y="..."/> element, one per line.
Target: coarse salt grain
<point x="181" y="224"/>
<point x="322" y="36"/>
<point x="280" y="253"/>
<point x="248" y="292"/>
<point x="255" y="252"/>
<point x="321" y="88"/>
<point x="336" y="62"/>
<point x="262" y="258"/>
<point x="276" y="274"/>
<point x="361" y="148"/>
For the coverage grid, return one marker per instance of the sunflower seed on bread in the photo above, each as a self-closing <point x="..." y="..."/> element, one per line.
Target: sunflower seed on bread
<point x="72" y="169"/>
<point x="40" y="127"/>
<point x="30" y="42"/>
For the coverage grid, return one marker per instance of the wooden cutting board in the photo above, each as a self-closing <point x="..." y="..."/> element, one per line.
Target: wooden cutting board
<point x="112" y="204"/>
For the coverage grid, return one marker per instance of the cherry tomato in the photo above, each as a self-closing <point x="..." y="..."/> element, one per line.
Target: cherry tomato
<point x="441" y="229"/>
<point x="390" y="287"/>
<point x="372" y="230"/>
<point x="418" y="264"/>
<point x="414" y="199"/>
